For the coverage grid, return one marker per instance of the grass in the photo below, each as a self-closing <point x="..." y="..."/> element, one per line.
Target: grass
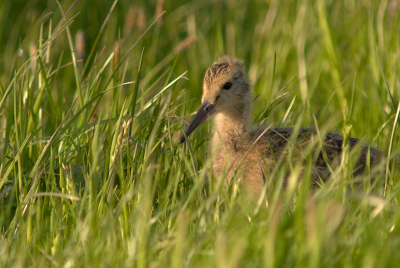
<point x="92" y="102"/>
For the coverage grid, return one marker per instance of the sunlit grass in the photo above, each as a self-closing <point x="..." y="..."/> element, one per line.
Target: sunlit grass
<point x="94" y="97"/>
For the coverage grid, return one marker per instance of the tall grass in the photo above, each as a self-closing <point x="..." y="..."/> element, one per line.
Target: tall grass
<point x="93" y="97"/>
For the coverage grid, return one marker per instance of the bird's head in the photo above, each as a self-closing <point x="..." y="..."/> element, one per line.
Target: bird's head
<point x="225" y="88"/>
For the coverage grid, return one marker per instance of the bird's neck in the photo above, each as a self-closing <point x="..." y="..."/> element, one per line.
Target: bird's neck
<point x="233" y="123"/>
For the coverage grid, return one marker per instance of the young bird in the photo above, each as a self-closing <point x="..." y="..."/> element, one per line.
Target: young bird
<point x="227" y="96"/>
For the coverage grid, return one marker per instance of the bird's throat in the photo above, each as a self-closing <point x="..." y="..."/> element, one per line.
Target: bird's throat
<point x="233" y="123"/>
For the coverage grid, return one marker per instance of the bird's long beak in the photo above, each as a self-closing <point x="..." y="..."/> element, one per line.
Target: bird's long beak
<point x="205" y="111"/>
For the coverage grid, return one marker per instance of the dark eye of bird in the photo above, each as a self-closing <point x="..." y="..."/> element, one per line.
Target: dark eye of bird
<point x="227" y="85"/>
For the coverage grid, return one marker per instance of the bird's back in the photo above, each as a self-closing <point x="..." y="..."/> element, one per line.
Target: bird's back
<point x="278" y="138"/>
<point x="258" y="152"/>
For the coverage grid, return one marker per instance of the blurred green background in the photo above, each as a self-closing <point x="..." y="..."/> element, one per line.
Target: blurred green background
<point x="324" y="49"/>
<point x="143" y="204"/>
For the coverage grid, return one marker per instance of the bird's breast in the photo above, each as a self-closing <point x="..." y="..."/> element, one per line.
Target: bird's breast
<point x="232" y="160"/>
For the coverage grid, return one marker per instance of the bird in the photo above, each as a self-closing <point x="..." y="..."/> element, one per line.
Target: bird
<point x="247" y="153"/>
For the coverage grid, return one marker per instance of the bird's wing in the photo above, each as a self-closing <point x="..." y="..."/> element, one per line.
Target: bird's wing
<point x="276" y="140"/>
